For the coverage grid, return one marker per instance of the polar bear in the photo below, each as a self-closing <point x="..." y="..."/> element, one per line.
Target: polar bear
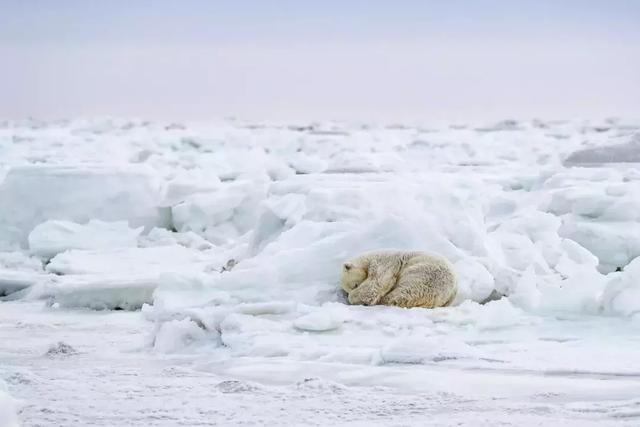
<point x="400" y="278"/>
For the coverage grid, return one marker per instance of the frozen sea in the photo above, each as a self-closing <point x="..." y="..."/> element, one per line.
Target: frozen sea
<point x="168" y="274"/>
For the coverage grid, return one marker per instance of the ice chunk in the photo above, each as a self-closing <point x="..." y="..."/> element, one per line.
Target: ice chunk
<point x="578" y="293"/>
<point x="13" y="281"/>
<point x="526" y="293"/>
<point x="518" y="251"/>
<point x="581" y="201"/>
<point x="180" y="188"/>
<point x="574" y="259"/>
<point x="52" y="237"/>
<point x="31" y="195"/>
<point x="622" y="294"/>
<point x="474" y="281"/>
<point x="223" y="215"/>
<point x="8" y="408"/>
<point x="19" y="271"/>
<point x="133" y="261"/>
<point x="177" y="336"/>
<point x="20" y="261"/>
<point x="614" y="243"/>
<point x="279" y="214"/>
<point x="98" y="292"/>
<point x="303" y="163"/>
<point x="199" y="211"/>
<point x="164" y="237"/>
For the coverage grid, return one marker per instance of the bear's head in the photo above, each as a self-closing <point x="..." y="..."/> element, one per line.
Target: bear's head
<point x="352" y="276"/>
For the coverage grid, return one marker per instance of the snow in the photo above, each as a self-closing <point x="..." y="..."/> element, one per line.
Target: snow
<point x="202" y="261"/>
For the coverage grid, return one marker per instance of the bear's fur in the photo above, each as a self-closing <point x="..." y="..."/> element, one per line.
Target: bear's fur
<point x="400" y="278"/>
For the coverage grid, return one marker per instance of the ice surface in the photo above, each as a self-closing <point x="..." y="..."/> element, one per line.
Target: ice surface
<point x="240" y="275"/>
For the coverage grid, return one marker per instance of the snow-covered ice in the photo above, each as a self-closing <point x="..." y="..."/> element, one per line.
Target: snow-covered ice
<point x="198" y="264"/>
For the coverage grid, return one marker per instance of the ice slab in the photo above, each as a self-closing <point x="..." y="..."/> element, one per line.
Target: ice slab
<point x="31" y="195"/>
<point x="614" y="243"/>
<point x="98" y="292"/>
<point x="53" y="237"/>
<point x="134" y="260"/>
<point x="12" y="281"/>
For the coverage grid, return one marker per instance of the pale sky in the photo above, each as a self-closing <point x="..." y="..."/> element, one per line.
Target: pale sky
<point x="382" y="60"/>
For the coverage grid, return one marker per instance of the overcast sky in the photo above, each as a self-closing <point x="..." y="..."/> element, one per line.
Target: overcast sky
<point x="384" y="60"/>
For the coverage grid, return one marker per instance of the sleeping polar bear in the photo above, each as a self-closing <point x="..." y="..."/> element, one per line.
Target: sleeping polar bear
<point x="400" y="278"/>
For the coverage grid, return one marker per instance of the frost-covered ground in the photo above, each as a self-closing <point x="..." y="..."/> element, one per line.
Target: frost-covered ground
<point x="163" y="274"/>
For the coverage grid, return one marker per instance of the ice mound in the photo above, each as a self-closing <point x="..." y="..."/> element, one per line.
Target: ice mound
<point x="31" y="195"/>
<point x="53" y="237"/>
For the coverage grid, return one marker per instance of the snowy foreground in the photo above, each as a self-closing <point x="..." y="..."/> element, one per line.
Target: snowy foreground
<point x="165" y="275"/>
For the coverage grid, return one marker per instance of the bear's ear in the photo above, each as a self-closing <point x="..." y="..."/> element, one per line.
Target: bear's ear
<point x="348" y="266"/>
